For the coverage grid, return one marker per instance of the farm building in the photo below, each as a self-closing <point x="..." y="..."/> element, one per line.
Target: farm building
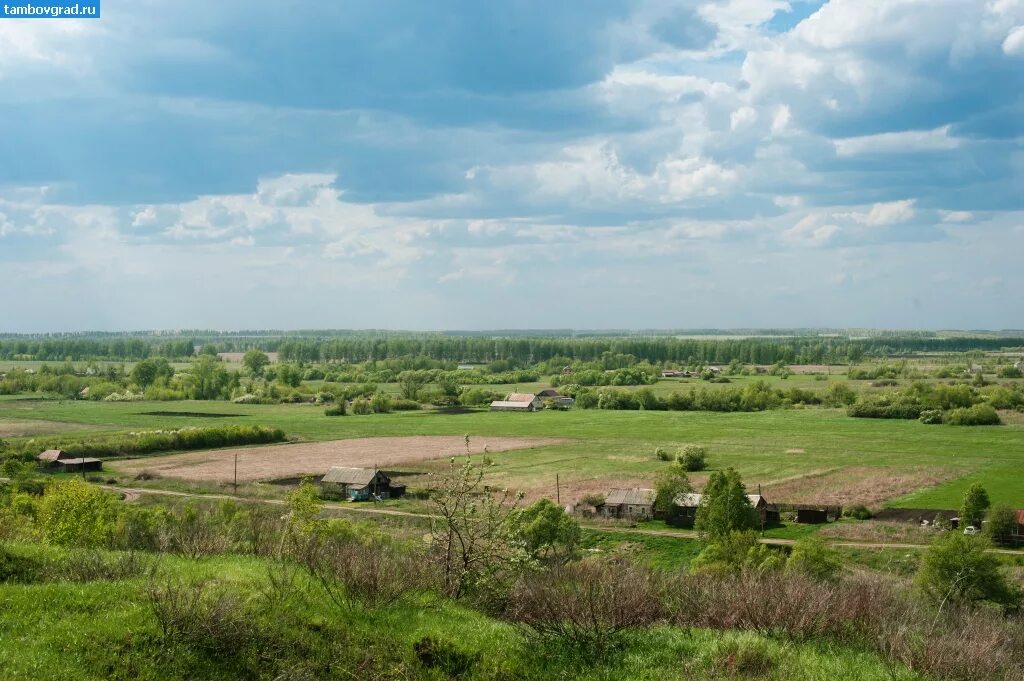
<point x="361" y="484"/>
<point x="816" y="515"/>
<point x="628" y="503"/>
<point x="685" y="507"/>
<point x="548" y="392"/>
<point x="52" y="456"/>
<point x="80" y="465"/>
<point x="518" y="402"/>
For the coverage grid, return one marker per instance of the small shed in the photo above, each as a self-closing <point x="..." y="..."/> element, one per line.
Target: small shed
<point x="548" y="393"/>
<point x="536" y="401"/>
<point x="52" y="456"/>
<point x="812" y="515"/>
<point x="361" y="484"/>
<point x="80" y="465"/>
<point x="508" y="405"/>
<point x="684" y="511"/>
<point x="634" y="503"/>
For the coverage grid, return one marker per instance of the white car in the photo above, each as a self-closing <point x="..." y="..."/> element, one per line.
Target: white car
<point x="971" y="530"/>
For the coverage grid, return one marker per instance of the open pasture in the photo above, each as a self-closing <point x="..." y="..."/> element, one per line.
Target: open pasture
<point x="316" y="458"/>
<point x="873" y="459"/>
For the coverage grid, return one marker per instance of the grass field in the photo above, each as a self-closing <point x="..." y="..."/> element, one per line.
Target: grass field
<point x="617" y="447"/>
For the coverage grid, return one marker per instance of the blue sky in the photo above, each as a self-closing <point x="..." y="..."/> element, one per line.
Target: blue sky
<point x="400" y="164"/>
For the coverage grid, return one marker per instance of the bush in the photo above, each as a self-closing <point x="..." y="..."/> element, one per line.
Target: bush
<point x="587" y="605"/>
<point x="662" y="454"/>
<point x="815" y="559"/>
<point x="145" y="442"/>
<point x="693" y="458"/>
<point x="1010" y="372"/>
<point x="978" y="415"/>
<point x="336" y="409"/>
<point x="858" y="512"/>
<point x="439" y="654"/>
<point x="405" y="405"/>
<point x="361" y="407"/>
<point x="745" y="657"/>
<point x="931" y="416"/>
<point x="958" y="568"/>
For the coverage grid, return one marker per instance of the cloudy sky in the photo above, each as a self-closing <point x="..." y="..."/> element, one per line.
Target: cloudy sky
<point x="467" y="164"/>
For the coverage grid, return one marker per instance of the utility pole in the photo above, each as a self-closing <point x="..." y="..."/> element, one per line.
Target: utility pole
<point x="236" y="472"/>
<point x="558" y="490"/>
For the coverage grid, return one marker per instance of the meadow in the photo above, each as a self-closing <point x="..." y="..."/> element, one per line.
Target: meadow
<point x="771" y="448"/>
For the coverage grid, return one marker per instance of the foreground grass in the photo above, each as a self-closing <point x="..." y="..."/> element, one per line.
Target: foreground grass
<point x="106" y="630"/>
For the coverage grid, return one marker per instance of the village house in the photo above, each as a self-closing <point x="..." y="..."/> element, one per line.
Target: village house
<point x="672" y="373"/>
<point x="360" y="484"/>
<point x="817" y="515"/>
<point x="548" y="392"/>
<point x="633" y="503"/>
<point x="684" y="510"/>
<point x="51" y="456"/>
<point x="80" y="465"/>
<point x="518" y="402"/>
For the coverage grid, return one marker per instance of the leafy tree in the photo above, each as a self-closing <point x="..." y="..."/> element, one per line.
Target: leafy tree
<point x="411" y="382"/>
<point x="957" y="568"/>
<point x="75" y="513"/>
<point x="814" y="558"/>
<point x="208" y="349"/>
<point x="1002" y="521"/>
<point x="839" y="395"/>
<point x="546" y="530"/>
<point x="255" y="361"/>
<point x="471" y="535"/>
<point x="724" y="506"/>
<point x="737" y="552"/>
<point x="974" y="506"/>
<point x="148" y="371"/>
<point x="208" y="378"/>
<point x="693" y="457"/>
<point x="289" y="375"/>
<point x="669" y="484"/>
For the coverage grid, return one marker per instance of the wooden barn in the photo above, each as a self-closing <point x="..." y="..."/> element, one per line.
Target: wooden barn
<point x="633" y="503"/>
<point x="51" y="456"/>
<point x="684" y="510"/>
<point x="80" y="465"/>
<point x="361" y="484"/>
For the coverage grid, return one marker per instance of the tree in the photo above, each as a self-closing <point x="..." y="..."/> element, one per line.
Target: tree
<point x="471" y="535"/>
<point x="693" y="457"/>
<point x="75" y="513"/>
<point x="974" y="506"/>
<point x="290" y="375"/>
<point x="957" y="568"/>
<point x="814" y="558"/>
<point x="737" y="552"/>
<point x="411" y="382"/>
<point x="1002" y="521"/>
<point x="668" y="485"/>
<point x="255" y="361"/>
<point x="208" y="378"/>
<point x="724" y="506"/>
<point x="148" y="371"/>
<point x="546" y="530"/>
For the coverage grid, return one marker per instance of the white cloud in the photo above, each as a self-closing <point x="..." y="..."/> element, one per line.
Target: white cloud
<point x="890" y="213"/>
<point x="1013" y="45"/>
<point x="897" y="142"/>
<point x="810" y="231"/>
<point x="956" y="215"/>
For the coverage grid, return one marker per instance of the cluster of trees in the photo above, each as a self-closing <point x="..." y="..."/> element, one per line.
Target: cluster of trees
<point x="955" y="403"/>
<point x="754" y="396"/>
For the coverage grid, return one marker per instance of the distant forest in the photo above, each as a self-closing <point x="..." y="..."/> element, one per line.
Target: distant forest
<point x="302" y="347"/>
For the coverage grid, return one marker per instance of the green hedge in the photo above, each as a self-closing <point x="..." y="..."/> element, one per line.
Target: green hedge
<point x="147" y="442"/>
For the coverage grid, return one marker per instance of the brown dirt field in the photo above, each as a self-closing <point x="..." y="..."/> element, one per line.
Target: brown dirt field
<point x="879" y="531"/>
<point x="856" y="485"/>
<point x="23" y="427"/>
<point x="315" y="458"/>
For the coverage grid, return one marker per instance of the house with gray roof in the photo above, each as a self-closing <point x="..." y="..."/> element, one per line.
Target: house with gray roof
<point x="636" y="503"/>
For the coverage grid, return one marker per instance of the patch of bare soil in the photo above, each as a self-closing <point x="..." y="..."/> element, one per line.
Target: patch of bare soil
<point x="25" y="427"/>
<point x="866" y="485"/>
<point x="315" y="458"/>
<point x="880" y="531"/>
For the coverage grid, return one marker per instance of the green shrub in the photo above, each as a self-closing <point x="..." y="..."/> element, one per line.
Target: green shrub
<point x="405" y="405"/>
<point x="336" y="409"/>
<point x="959" y="569"/>
<point x="361" y="407"/>
<point x="435" y="653"/>
<point x="1010" y="372"/>
<point x="145" y="442"/>
<point x="693" y="458"/>
<point x="662" y="454"/>
<point x="858" y="512"/>
<point x="978" y="415"/>
<point x="931" y="416"/>
<point x="814" y="558"/>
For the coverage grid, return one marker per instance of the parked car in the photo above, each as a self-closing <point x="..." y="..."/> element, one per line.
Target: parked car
<point x="971" y="530"/>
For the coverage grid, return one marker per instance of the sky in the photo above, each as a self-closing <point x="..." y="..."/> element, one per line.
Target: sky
<point x="523" y="164"/>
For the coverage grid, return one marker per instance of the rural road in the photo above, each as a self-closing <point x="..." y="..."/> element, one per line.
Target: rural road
<point x="133" y="494"/>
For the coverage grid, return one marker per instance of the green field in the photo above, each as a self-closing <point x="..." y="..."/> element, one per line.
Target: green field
<point x="765" y="447"/>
